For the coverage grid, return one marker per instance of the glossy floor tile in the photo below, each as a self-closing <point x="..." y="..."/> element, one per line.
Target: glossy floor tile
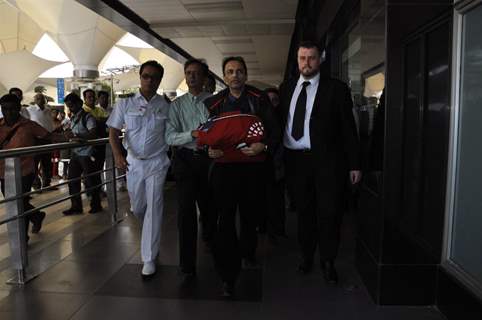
<point x="168" y="283"/>
<point x="90" y="269"/>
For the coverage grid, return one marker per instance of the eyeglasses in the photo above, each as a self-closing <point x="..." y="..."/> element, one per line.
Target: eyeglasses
<point x="146" y="76"/>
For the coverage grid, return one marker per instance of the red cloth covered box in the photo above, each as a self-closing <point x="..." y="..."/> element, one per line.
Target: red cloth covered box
<point x="231" y="131"/>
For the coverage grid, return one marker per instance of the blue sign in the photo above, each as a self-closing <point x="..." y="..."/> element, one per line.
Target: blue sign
<point x="60" y="90"/>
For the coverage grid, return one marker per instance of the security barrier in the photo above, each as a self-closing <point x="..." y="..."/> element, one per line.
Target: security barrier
<point x="15" y="213"/>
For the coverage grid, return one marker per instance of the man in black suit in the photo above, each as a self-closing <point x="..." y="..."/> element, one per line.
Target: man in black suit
<point x="321" y="153"/>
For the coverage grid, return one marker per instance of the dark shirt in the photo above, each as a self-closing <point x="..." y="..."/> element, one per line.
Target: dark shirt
<point x="232" y="104"/>
<point x="26" y="134"/>
<point x="252" y="101"/>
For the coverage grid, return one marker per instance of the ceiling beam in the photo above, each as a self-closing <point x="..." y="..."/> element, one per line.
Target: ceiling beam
<point x="209" y="23"/>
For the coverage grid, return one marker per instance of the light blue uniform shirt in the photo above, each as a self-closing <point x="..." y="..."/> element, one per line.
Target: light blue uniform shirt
<point x="78" y="128"/>
<point x="186" y="113"/>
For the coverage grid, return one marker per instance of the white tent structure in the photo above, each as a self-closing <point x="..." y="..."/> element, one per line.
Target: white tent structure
<point x="77" y="42"/>
<point x="173" y="70"/>
<point x="84" y="36"/>
<point x="21" y="69"/>
<point x="17" y="30"/>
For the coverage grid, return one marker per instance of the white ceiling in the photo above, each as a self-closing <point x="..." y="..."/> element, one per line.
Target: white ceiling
<point x="260" y="31"/>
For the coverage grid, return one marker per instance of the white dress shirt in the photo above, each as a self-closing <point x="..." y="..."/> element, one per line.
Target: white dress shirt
<point x="304" y="142"/>
<point x="42" y="117"/>
<point x="144" y="123"/>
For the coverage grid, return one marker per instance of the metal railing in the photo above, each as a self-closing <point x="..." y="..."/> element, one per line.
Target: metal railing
<point x="13" y="197"/>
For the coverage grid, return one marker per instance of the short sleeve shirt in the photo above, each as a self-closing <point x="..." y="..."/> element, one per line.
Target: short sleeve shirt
<point x="42" y="117"/>
<point x="26" y="134"/>
<point x="144" y="122"/>
<point x="82" y="127"/>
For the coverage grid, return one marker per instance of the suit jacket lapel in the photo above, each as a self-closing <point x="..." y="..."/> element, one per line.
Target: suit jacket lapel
<point x="290" y="88"/>
<point x="323" y="96"/>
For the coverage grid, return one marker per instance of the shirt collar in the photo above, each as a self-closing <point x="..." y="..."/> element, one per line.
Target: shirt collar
<point x="200" y="97"/>
<point x="313" y="81"/>
<point x="140" y="97"/>
<point x="232" y="98"/>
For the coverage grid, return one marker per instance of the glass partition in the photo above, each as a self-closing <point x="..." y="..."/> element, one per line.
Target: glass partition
<point x="464" y="234"/>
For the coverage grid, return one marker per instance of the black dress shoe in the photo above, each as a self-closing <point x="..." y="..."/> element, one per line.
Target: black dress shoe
<point x="188" y="278"/>
<point x="250" y="263"/>
<point x="72" y="211"/>
<point x="329" y="272"/>
<point x="228" y="290"/>
<point x="37" y="222"/>
<point x="305" y="267"/>
<point x="95" y="210"/>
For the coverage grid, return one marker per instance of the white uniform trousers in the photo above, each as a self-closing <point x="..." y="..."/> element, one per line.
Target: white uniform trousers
<point x="147" y="201"/>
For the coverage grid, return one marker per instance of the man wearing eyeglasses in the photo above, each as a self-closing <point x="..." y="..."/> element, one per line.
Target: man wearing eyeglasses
<point x="143" y="116"/>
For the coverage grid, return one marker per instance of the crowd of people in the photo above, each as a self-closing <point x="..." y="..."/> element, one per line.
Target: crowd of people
<point x="236" y="152"/>
<point x="39" y="123"/>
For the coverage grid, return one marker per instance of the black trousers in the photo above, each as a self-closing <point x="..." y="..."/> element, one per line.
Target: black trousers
<point x="318" y="195"/>
<point x="275" y="211"/>
<point x="27" y="182"/>
<point x="237" y="186"/>
<point x="83" y="165"/>
<point x="45" y="170"/>
<point x="191" y="171"/>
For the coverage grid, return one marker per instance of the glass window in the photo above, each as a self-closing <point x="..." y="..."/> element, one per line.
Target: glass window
<point x="467" y="211"/>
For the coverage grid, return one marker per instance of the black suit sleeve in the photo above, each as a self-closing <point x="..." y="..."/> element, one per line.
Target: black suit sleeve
<point x="272" y="136"/>
<point x="351" y="143"/>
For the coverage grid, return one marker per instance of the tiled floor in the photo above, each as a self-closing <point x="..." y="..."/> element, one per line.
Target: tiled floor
<point x="91" y="271"/>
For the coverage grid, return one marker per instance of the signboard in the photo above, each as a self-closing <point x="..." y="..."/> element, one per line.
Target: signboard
<point x="60" y="90"/>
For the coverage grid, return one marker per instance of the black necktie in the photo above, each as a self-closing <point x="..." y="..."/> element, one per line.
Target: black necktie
<point x="298" y="129"/>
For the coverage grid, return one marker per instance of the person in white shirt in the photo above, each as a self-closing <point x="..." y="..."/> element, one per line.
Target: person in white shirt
<point x="144" y="117"/>
<point x="41" y="114"/>
<point x="321" y="154"/>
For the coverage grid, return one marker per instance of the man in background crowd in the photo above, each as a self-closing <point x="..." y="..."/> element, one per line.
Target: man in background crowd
<point x="83" y="127"/>
<point x="41" y="114"/>
<point x="103" y="101"/>
<point x="100" y="115"/>
<point x="18" y="132"/>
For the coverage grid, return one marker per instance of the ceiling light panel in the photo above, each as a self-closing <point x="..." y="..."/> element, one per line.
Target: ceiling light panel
<point x="229" y="41"/>
<point x="214" y="10"/>
<point x="211" y="31"/>
<point x="165" y="10"/>
<point x="189" y="32"/>
<point x="244" y="45"/>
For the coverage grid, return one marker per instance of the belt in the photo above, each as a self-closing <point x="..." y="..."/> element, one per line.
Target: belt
<point x="300" y="151"/>
<point x="192" y="152"/>
<point x="141" y="158"/>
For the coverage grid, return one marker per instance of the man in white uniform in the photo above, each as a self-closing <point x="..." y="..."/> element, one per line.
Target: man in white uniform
<point x="144" y="116"/>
